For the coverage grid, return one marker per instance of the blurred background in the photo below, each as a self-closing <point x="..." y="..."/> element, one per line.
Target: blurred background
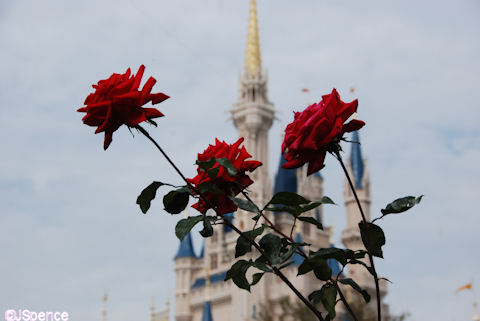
<point x="70" y="227"/>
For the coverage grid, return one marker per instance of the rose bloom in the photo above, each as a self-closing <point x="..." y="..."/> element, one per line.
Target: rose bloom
<point x="117" y="101"/>
<point x="316" y="130"/>
<point x="227" y="185"/>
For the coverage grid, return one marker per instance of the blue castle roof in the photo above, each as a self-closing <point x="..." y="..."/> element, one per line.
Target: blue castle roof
<point x="214" y="278"/>
<point x="229" y="217"/>
<point x="297" y="259"/>
<point x="186" y="248"/>
<point x="286" y="179"/>
<point x="207" y="312"/>
<point x="356" y="160"/>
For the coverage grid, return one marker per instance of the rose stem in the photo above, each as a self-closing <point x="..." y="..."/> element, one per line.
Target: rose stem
<point x="275" y="228"/>
<point x="370" y="257"/>
<point x="229" y="224"/>
<point x="342" y="297"/>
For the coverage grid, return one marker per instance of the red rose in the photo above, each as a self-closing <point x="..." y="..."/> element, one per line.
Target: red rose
<point x="117" y="101"/>
<point x="312" y="132"/>
<point x="226" y="183"/>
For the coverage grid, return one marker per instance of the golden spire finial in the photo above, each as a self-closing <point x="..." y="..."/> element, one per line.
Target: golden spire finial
<point x="253" y="62"/>
<point x="104" y="312"/>
<point x="152" y="309"/>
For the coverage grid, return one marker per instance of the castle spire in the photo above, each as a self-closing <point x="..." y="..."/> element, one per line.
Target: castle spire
<point x="104" y="312"/>
<point x="186" y="246"/>
<point x="253" y="114"/>
<point x="253" y="61"/>
<point x="356" y="161"/>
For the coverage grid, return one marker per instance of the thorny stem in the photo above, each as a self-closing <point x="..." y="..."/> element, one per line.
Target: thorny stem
<point x="233" y="227"/>
<point x="273" y="226"/>
<point x="370" y="256"/>
<point x="342" y="298"/>
<point x="293" y="227"/>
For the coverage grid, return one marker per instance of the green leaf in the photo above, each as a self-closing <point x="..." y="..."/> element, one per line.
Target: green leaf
<point x="401" y="205"/>
<point x="373" y="238"/>
<point x="209" y="187"/>
<point x="296" y="203"/>
<point x="357" y="288"/>
<point x="311" y="220"/>
<point x="152" y="122"/>
<point x="245" y="204"/>
<point x="206" y="164"/>
<point x="261" y="265"/>
<point x="315" y="296"/>
<point x="323" y="272"/>
<point x="256" y="278"/>
<point x="329" y="299"/>
<point x="225" y="163"/>
<point x="318" y="265"/>
<point x="272" y="245"/>
<point x="327" y="200"/>
<point x="147" y="195"/>
<point x="175" y="201"/>
<point x="288" y="254"/>
<point x="213" y="172"/>
<point x="243" y="246"/>
<point x="186" y="189"/>
<point x="185" y="225"/>
<point x="341" y="255"/>
<point x="238" y="274"/>
<point x="207" y="230"/>
<point x="355" y="261"/>
<point x="328" y="296"/>
<point x="288" y="198"/>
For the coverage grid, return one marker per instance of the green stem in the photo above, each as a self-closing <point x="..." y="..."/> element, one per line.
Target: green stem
<point x="233" y="227"/>
<point x="370" y="256"/>
<point x="273" y="226"/>
<point x="342" y="298"/>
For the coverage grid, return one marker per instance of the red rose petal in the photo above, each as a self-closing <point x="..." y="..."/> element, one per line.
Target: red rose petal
<point x="310" y="135"/>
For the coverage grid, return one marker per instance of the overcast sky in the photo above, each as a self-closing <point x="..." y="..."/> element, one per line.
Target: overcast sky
<point x="70" y="225"/>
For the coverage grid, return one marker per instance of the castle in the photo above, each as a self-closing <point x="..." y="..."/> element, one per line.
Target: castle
<point x="200" y="291"/>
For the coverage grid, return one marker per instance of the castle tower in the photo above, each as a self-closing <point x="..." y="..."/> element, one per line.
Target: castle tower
<point x="358" y="171"/>
<point x="184" y="265"/>
<point x="253" y="113"/>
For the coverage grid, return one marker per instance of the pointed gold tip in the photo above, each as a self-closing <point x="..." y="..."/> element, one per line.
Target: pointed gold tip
<point x="253" y="63"/>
